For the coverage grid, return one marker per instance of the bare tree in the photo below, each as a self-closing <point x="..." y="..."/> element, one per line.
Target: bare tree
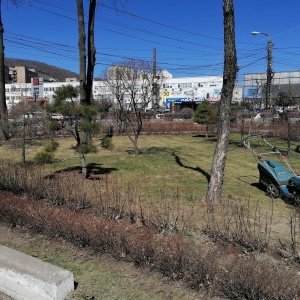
<point x="26" y="122"/>
<point x="285" y="99"/>
<point x="3" y="107"/>
<point x="132" y="84"/>
<point x="214" y="191"/>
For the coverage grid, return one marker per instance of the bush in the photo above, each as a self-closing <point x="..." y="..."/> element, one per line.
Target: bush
<point x="249" y="279"/>
<point x="47" y="154"/>
<point x="86" y="148"/>
<point x="187" y="113"/>
<point x="53" y="125"/>
<point x="106" y="143"/>
<point x="51" y="146"/>
<point x="43" y="157"/>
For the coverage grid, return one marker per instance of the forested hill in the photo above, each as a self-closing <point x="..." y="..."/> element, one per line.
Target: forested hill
<point x="55" y="72"/>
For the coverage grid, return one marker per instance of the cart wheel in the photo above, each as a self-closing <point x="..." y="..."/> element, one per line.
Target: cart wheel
<point x="297" y="201"/>
<point x="272" y="191"/>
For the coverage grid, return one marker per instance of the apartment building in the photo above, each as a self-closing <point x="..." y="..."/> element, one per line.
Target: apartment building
<point x="20" y="74"/>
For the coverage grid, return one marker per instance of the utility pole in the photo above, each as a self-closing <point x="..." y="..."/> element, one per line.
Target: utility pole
<point x="155" y="87"/>
<point x="154" y="63"/>
<point x="269" y="68"/>
<point x="269" y="73"/>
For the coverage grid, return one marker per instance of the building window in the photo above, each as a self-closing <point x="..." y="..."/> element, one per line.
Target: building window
<point x="185" y="85"/>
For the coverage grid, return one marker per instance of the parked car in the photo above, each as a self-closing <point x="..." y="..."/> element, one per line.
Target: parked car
<point x="159" y="116"/>
<point x="56" y="116"/>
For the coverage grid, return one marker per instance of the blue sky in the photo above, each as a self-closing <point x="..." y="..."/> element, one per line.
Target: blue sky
<point x="187" y="35"/>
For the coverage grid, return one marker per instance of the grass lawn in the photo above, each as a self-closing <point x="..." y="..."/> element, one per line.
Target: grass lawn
<point x="168" y="164"/>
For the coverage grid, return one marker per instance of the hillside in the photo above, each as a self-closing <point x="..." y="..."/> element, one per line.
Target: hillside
<point x="58" y="73"/>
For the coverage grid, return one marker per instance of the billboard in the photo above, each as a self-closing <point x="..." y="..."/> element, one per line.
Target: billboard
<point x="252" y="92"/>
<point x="37" y="88"/>
<point x="189" y="95"/>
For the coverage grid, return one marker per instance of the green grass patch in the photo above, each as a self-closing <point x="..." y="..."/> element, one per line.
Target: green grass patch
<point x="176" y="163"/>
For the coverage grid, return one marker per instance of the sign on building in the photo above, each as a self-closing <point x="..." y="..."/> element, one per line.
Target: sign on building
<point x="37" y="89"/>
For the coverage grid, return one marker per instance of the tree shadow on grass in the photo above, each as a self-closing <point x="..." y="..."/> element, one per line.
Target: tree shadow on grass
<point x="199" y="170"/>
<point x="154" y="150"/>
<point x="211" y="137"/>
<point x="95" y="171"/>
<point x="150" y="150"/>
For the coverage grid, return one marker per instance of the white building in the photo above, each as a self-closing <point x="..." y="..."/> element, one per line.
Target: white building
<point x="172" y="90"/>
<point x="191" y="89"/>
<point x="16" y="92"/>
<point x="255" y="84"/>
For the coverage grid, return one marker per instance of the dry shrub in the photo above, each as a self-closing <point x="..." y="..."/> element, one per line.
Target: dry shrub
<point x="166" y="213"/>
<point x="235" y="222"/>
<point x="109" y="200"/>
<point x="290" y="250"/>
<point x="173" y="255"/>
<point x="276" y="129"/>
<point x="170" y="255"/>
<point x="20" y="178"/>
<point x="138" y="245"/>
<point x="170" y="213"/>
<point x="29" y="180"/>
<point x="201" y="267"/>
<point x="13" y="209"/>
<point x="112" y="201"/>
<point x="167" y="127"/>
<point x="248" y="279"/>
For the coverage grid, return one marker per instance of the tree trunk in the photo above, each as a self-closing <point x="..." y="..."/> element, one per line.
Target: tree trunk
<point x="82" y="50"/>
<point x="242" y="130"/>
<point x="3" y="108"/>
<point x="289" y="137"/>
<point x="214" y="191"/>
<point x="84" y="168"/>
<point x="86" y="75"/>
<point x="24" y="141"/>
<point x="91" y="53"/>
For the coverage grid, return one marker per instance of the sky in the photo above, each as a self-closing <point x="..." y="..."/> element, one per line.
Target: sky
<point x="187" y="35"/>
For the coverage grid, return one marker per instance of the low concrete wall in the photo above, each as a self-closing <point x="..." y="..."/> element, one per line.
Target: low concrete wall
<point x="25" y="277"/>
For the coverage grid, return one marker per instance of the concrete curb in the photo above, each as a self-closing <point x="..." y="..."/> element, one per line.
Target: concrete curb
<point x="27" y="278"/>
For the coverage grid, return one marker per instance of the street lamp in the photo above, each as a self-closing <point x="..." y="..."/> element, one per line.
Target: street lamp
<point x="269" y="67"/>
